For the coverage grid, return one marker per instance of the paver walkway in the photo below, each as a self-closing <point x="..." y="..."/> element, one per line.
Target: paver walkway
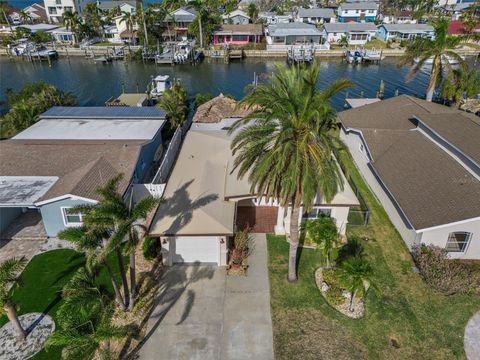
<point x="472" y="338"/>
<point x="204" y="314"/>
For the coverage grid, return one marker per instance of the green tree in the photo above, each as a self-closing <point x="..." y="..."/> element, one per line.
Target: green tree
<point x="285" y="148"/>
<point x="465" y="83"/>
<point x="324" y="233"/>
<point x="439" y="50"/>
<point x="200" y="8"/>
<point x="72" y="22"/>
<point x="252" y="11"/>
<point x="130" y="20"/>
<point x="356" y="274"/>
<point x="9" y="277"/>
<point x="201" y="99"/>
<point x="175" y="103"/>
<point x="24" y="16"/>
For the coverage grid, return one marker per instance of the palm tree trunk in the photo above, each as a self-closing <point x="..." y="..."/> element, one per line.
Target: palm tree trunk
<point x="292" y="257"/>
<point x="118" y="294"/>
<point x="200" y="29"/>
<point x="123" y="275"/>
<point x="133" y="284"/>
<point x="353" y="300"/>
<point x="13" y="317"/>
<point x="433" y="78"/>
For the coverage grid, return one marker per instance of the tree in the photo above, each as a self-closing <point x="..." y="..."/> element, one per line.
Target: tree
<point x="464" y="84"/>
<point x="199" y="6"/>
<point x="9" y="276"/>
<point x="129" y="19"/>
<point x="284" y="145"/>
<point x="252" y="11"/>
<point x="24" y="16"/>
<point x="439" y="50"/>
<point x="72" y="22"/>
<point x="175" y="103"/>
<point x="324" y="233"/>
<point x="357" y="275"/>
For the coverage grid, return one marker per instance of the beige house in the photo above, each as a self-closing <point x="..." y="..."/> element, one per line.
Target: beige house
<point x="206" y="201"/>
<point x="422" y="161"/>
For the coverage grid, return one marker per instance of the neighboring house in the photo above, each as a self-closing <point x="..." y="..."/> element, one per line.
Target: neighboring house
<point x="405" y="31"/>
<point x="355" y="33"/>
<point x="62" y="35"/>
<point x="238" y="34"/>
<point x="206" y="202"/>
<point x="422" y="161"/>
<point x="457" y="28"/>
<point x="120" y="34"/>
<point x="60" y="161"/>
<point x="398" y="17"/>
<point x="177" y="23"/>
<point x="36" y="12"/>
<point x="315" y="15"/>
<point x="272" y="18"/>
<point x="123" y="6"/>
<point x="281" y="37"/>
<point x="56" y="8"/>
<point x="357" y="12"/>
<point x="236" y="17"/>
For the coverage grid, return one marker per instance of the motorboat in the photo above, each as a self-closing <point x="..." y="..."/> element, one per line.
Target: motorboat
<point x="160" y="84"/>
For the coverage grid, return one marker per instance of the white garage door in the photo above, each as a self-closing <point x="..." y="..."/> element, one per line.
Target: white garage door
<point x="191" y="249"/>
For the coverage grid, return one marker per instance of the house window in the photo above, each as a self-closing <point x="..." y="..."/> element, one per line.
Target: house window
<point x="58" y="2"/>
<point x="71" y="218"/>
<point x="240" y="38"/>
<point x="315" y="213"/>
<point x="458" y="241"/>
<point x="52" y="10"/>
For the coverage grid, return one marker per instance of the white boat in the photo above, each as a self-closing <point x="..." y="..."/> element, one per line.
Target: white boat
<point x="183" y="52"/>
<point x="160" y="84"/>
<point x="429" y="61"/>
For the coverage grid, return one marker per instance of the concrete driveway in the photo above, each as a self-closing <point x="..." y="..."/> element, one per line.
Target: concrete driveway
<point x="203" y="314"/>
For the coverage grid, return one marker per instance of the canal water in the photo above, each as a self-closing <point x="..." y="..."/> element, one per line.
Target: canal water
<point x="94" y="83"/>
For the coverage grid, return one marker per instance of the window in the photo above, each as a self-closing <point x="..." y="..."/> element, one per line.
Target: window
<point x="58" y="2"/>
<point x="52" y="10"/>
<point x="71" y="218"/>
<point x="68" y="8"/>
<point x="240" y="38"/>
<point x="458" y="241"/>
<point x="358" y="36"/>
<point x="315" y="213"/>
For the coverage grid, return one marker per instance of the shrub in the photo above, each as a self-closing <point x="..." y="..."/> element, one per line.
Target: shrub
<point x="241" y="249"/>
<point x="353" y="247"/>
<point x="151" y="247"/>
<point x="334" y="295"/>
<point x="443" y="274"/>
<point x="330" y="277"/>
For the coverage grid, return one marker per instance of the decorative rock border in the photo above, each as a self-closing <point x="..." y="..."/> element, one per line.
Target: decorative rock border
<point x="358" y="310"/>
<point x="471" y="339"/>
<point x="39" y="327"/>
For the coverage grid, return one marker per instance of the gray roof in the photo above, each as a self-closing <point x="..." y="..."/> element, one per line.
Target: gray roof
<point x="359" y="6"/>
<point x="111" y="4"/>
<point x="317" y="13"/>
<point x="184" y="17"/>
<point x="349" y="27"/>
<point x="430" y="186"/>
<point x="294" y="28"/>
<point x="408" y="28"/>
<point x="103" y="112"/>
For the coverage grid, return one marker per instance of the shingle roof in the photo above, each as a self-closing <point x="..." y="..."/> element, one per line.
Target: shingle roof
<point x="349" y="26"/>
<point x="294" y="28"/>
<point x="218" y="108"/>
<point x="316" y="12"/>
<point x="103" y="112"/>
<point x="408" y="28"/>
<point x="231" y="29"/>
<point x="359" y="6"/>
<point x="431" y="187"/>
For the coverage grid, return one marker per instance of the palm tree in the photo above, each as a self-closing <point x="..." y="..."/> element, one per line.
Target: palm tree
<point x="129" y="19"/>
<point x="175" y="103"/>
<point x="24" y="16"/>
<point x="465" y="84"/>
<point x="72" y="22"/>
<point x="285" y="147"/>
<point x="252" y="11"/>
<point x="324" y="233"/>
<point x="357" y="275"/>
<point x="439" y="50"/>
<point x="9" y="276"/>
<point x="200" y="7"/>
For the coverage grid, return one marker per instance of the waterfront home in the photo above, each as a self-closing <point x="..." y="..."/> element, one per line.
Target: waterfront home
<point x="272" y="18"/>
<point x="56" y="8"/>
<point x="63" y="35"/>
<point x="119" y="33"/>
<point x="315" y="15"/>
<point x="122" y="6"/>
<point x="236" y="17"/>
<point x="422" y="161"/>
<point x="228" y="34"/>
<point x="61" y="160"/>
<point x="206" y="202"/>
<point x="36" y="12"/>
<point x="458" y="28"/>
<point x="357" y="12"/>
<point x="281" y="37"/>
<point x="177" y="23"/>
<point x="355" y="33"/>
<point x="397" y="17"/>
<point x="388" y="32"/>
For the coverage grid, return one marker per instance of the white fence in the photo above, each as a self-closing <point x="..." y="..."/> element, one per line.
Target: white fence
<point x="141" y="191"/>
<point x="285" y="48"/>
<point x="169" y="158"/>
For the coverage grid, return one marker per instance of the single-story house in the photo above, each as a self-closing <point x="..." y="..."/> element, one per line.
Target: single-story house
<point x="206" y="201"/>
<point x="405" y="31"/>
<point x="236" y="17"/>
<point x="238" y="34"/>
<point x="398" y="17"/>
<point x="272" y="18"/>
<point x="63" y="35"/>
<point x="60" y="161"/>
<point x="315" y="15"/>
<point x="355" y="33"/>
<point x="357" y="12"/>
<point x="422" y="161"/>
<point x="282" y="36"/>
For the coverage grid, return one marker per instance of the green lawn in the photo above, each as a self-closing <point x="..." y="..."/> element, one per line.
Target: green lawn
<point x="425" y="324"/>
<point x="43" y="279"/>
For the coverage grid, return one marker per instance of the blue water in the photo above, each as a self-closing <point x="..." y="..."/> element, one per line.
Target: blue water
<point x="20" y="4"/>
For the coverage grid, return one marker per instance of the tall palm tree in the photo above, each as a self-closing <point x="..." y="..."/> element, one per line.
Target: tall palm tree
<point x="439" y="50"/>
<point x="284" y="145"/>
<point x="129" y="19"/>
<point x="9" y="276"/>
<point x="465" y="84"/>
<point x="357" y="275"/>
<point x="200" y="8"/>
<point x="252" y="11"/>
<point x="24" y="16"/>
<point x="72" y="22"/>
<point x="175" y="103"/>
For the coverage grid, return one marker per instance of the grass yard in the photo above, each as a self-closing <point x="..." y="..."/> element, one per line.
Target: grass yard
<point x="43" y="280"/>
<point x="425" y="324"/>
<point x="377" y="44"/>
